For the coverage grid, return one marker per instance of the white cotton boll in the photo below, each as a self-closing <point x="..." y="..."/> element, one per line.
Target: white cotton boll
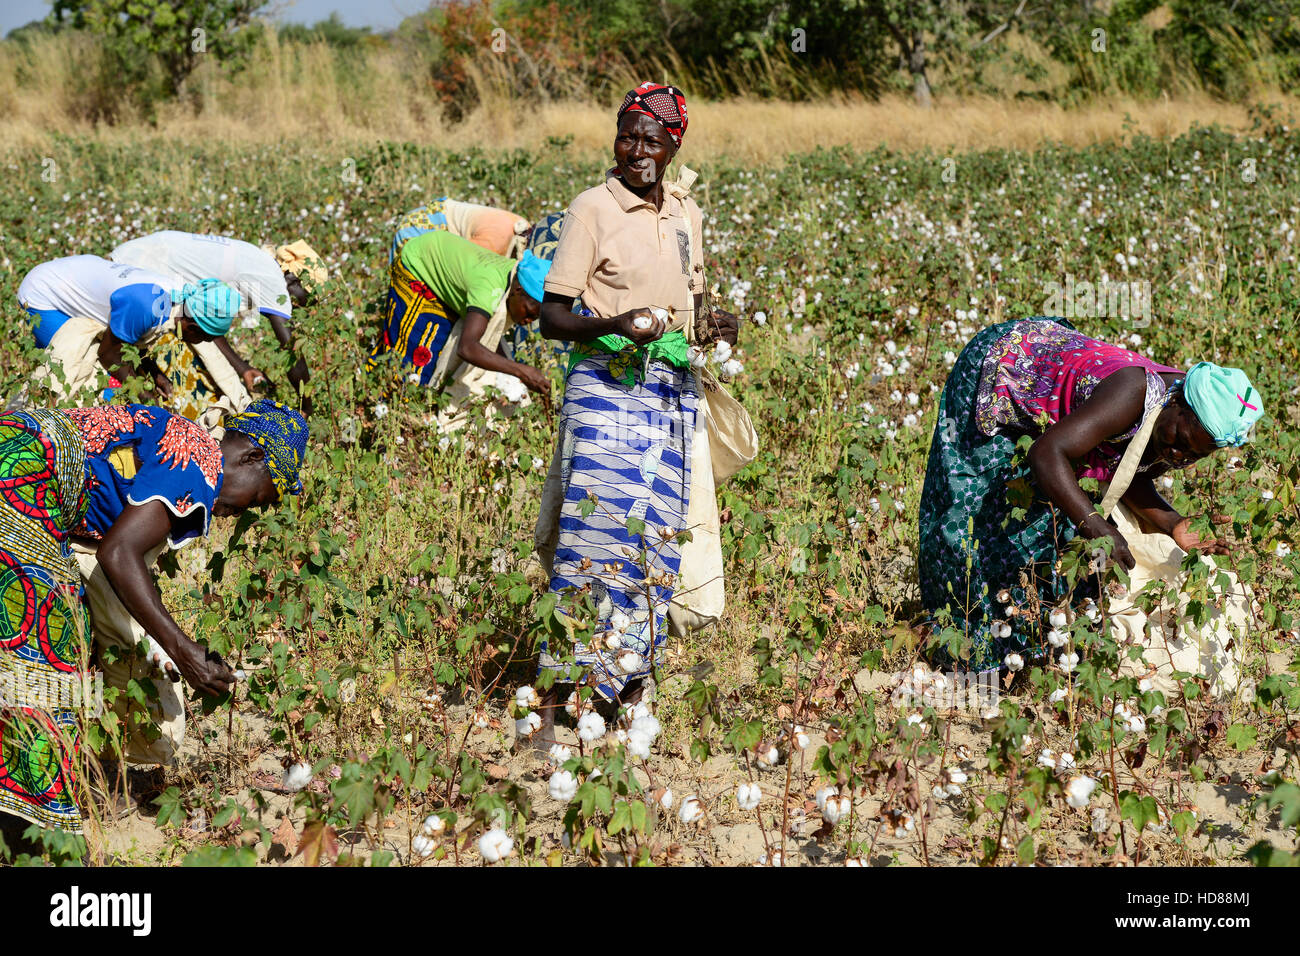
<point x="666" y="799"/>
<point x="1092" y="612"/>
<point x="638" y="744"/>
<point x="697" y="357"/>
<point x="526" y="698"/>
<point x="836" y="808"/>
<point x="910" y="420"/>
<point x="481" y="719"/>
<point x="433" y="825"/>
<point x="527" y="726"/>
<point x="380" y="410"/>
<point x="1057" y="619"/>
<point x="950" y="359"/>
<point x="512" y="388"/>
<point x="1069" y="661"/>
<point x="629" y="662"/>
<point x="562" y="786"/>
<point x="1266" y="495"/>
<point x="1014" y="662"/>
<point x="1100" y="822"/>
<point x="422" y="846"/>
<point x="495" y="845"/>
<point x="824" y="794"/>
<point x="620" y="622"/>
<point x="613" y="641"/>
<point x="591" y="727"/>
<point x="1065" y="762"/>
<point x="559" y="754"/>
<point x="690" y="810"/>
<point x="776" y="859"/>
<point x="1282" y="550"/>
<point x="1057" y="637"/>
<point x="1078" y="792"/>
<point x="642" y="322"/>
<point x="660" y="314"/>
<point x="648" y="725"/>
<point x="955" y="775"/>
<point x="573" y="705"/>
<point x="1047" y="758"/>
<point x="855" y="861"/>
<point x="913" y="398"/>
<point x="800" y="738"/>
<point x="732" y="368"/>
<point x="721" y="351"/>
<point x="249" y="322"/>
<point x="297" y="776"/>
<point x="748" y="795"/>
<point x="760" y="318"/>
<point x="1137" y="724"/>
<point x="1058" y="695"/>
<point x="769" y="756"/>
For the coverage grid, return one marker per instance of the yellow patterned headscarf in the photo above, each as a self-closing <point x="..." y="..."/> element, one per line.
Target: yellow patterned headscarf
<point x="282" y="434"/>
<point x="302" y="260"/>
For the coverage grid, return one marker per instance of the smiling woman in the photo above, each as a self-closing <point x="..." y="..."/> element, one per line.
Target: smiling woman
<point x="992" y="525"/>
<point x="115" y="485"/>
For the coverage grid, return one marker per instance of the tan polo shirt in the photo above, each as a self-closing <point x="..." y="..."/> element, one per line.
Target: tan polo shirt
<point x="618" y="252"/>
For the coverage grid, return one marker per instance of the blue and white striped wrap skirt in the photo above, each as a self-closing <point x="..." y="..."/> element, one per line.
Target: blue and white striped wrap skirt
<point x="630" y="448"/>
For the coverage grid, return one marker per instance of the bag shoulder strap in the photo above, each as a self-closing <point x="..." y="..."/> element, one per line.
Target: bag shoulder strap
<point x="1128" y="465"/>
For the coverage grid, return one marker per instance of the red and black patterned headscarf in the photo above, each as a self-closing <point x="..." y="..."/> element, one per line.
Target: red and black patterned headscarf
<point x="664" y="104"/>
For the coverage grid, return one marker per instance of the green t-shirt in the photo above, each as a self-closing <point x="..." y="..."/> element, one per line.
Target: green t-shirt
<point x="461" y="274"/>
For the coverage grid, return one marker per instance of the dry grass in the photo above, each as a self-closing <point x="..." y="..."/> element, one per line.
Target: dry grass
<point x="307" y="93"/>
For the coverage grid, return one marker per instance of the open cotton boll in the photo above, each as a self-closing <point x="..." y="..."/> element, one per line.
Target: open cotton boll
<point x="824" y="794"/>
<point x="495" y="845"/>
<point x="642" y="322"/>
<point x="1058" y="695"/>
<point x="433" y="825"/>
<point x="527" y="698"/>
<point x="1047" y="759"/>
<point x="562" y="786"/>
<point x="666" y="799"/>
<point x="648" y="725"/>
<point x="721" y="351"/>
<point x="559" y="754"/>
<point x="732" y="368"/>
<point x="297" y="776"/>
<point x="512" y="388"/>
<point x="1057" y="637"/>
<point x="1014" y="662"/>
<point x="748" y="795"/>
<point x="591" y="727"/>
<point x="638" y="744"/>
<point x="1079" y="791"/>
<point x="1057" y="619"/>
<point x="800" y="737"/>
<point x="527" y="726"/>
<point x="1069" y="661"/>
<point x="422" y="846"/>
<point x="691" y="809"/>
<point x="768" y="756"/>
<point x="836" y="808"/>
<point x="629" y="662"/>
<point x="760" y="318"/>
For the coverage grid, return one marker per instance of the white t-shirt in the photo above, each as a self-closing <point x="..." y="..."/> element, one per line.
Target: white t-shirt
<point x="85" y="286"/>
<point x="190" y="257"/>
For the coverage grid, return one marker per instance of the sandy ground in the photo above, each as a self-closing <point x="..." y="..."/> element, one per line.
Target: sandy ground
<point x="729" y="837"/>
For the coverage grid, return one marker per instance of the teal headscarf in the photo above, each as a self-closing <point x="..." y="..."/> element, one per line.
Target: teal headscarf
<point x="532" y="275"/>
<point x="1224" y="400"/>
<point x="211" y="303"/>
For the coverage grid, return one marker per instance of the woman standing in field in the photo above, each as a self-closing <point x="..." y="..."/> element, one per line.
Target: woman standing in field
<point x="1095" y="411"/>
<point x="630" y="433"/>
<point x="127" y="480"/>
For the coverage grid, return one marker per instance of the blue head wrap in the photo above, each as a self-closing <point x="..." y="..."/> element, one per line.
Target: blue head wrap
<point x="282" y="434"/>
<point x="1224" y="400"/>
<point x="532" y="275"/>
<point x="211" y="303"/>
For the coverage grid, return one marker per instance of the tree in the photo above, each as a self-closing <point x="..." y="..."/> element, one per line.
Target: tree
<point x="174" y="33"/>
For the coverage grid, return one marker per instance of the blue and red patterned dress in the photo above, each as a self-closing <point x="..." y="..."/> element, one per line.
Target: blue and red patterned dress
<point x="64" y="474"/>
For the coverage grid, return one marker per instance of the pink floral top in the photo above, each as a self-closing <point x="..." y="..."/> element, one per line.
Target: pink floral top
<point x="1040" y="371"/>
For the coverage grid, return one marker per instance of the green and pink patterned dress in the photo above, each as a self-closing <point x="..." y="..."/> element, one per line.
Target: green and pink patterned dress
<point x="983" y="519"/>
